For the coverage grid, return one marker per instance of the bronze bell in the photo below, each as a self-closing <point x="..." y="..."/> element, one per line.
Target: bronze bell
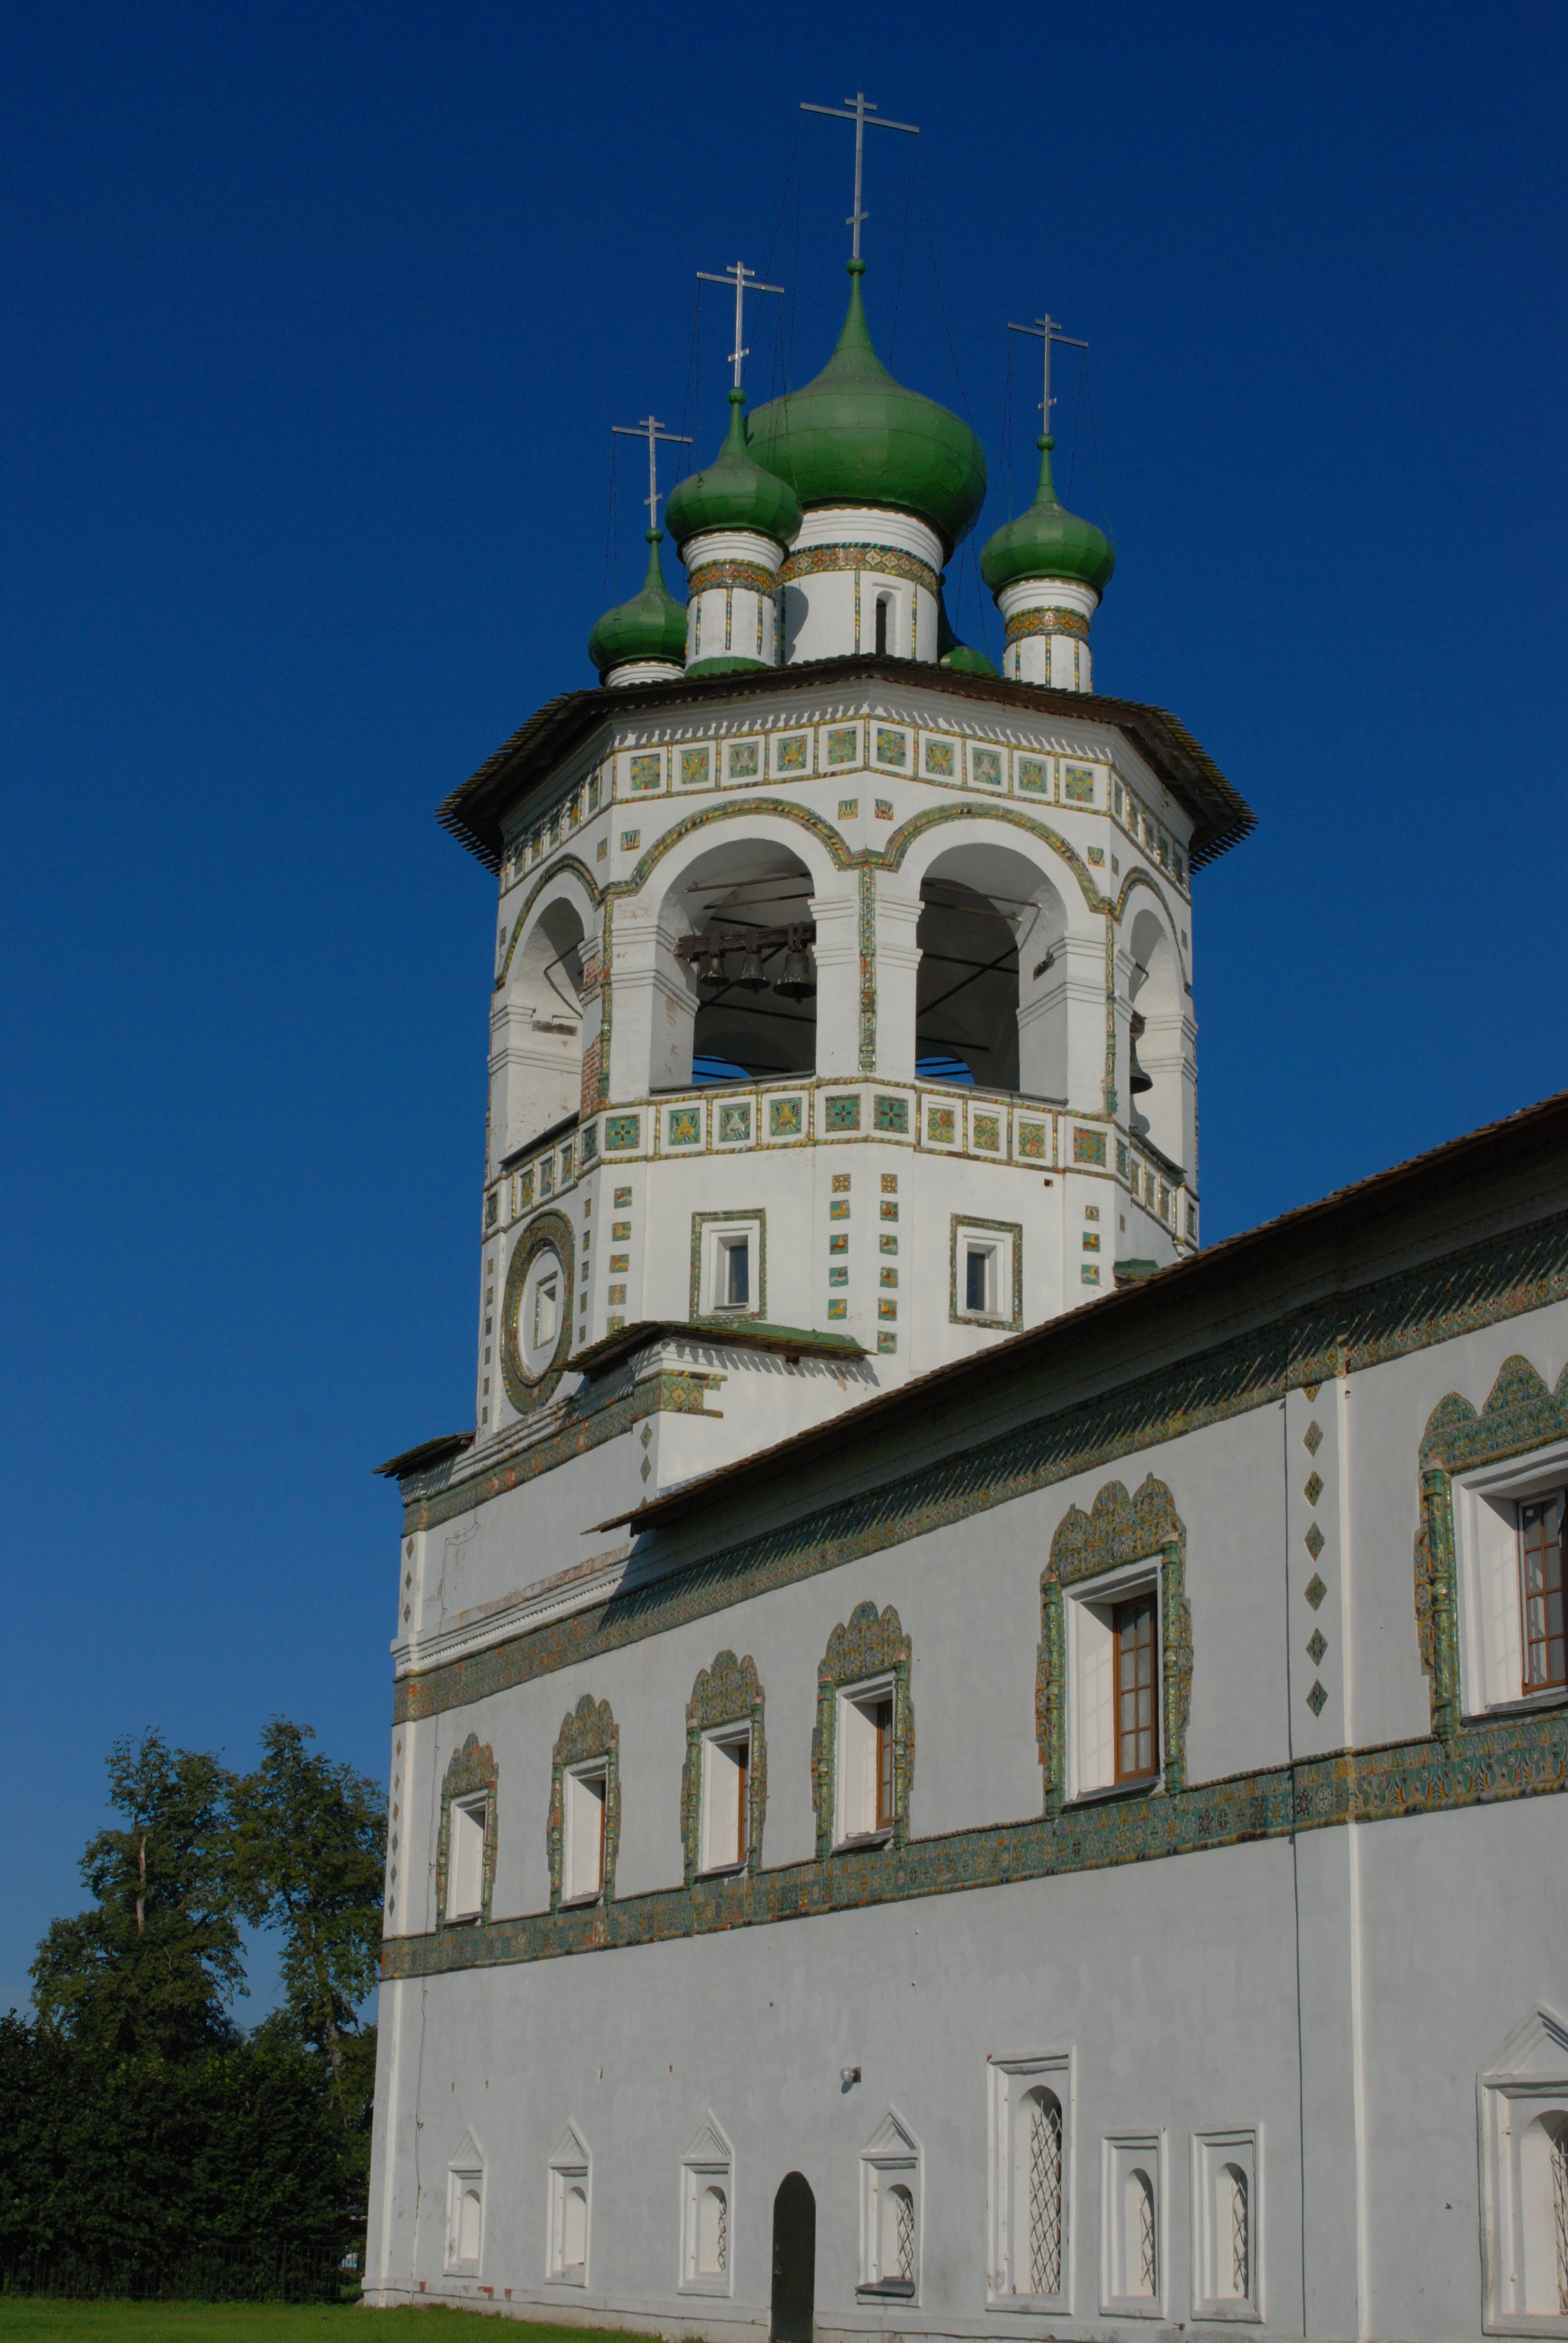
<point x="797" y="983"/>
<point x="751" y="977"/>
<point x="1137" y="1079"/>
<point x="711" y="970"/>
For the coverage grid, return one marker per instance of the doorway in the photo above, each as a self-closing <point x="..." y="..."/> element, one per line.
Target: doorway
<point x="794" y="2260"/>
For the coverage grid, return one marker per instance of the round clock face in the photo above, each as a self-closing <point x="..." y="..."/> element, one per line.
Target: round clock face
<point x="543" y="1305"/>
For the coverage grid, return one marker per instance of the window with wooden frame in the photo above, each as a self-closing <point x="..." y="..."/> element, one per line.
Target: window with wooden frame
<point x="726" y="1799"/>
<point x="1113" y="1655"/>
<point x="867" y="1746"/>
<point x="586" y="1792"/>
<point x="1136" y="1739"/>
<point x="1546" y="1656"/>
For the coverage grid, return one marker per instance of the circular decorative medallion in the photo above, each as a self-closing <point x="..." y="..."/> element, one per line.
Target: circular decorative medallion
<point x="537" y="1311"/>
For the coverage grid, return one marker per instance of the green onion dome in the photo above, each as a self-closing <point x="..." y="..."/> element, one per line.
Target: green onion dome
<point x="964" y="660"/>
<point x="1047" y="542"/>
<point x="856" y="436"/>
<point x="734" y="492"/>
<point x="651" y="625"/>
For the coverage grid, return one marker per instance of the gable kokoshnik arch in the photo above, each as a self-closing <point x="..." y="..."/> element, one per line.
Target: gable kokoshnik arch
<point x="1520" y="1412"/>
<point x="588" y="1730"/>
<point x="728" y="1693"/>
<point x="1117" y="1529"/>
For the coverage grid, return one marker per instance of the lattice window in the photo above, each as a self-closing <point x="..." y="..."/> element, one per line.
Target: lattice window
<point x="1145" y="2266"/>
<point x="1241" y="2241"/>
<point x="1560" y="2214"/>
<point x="1044" y="2195"/>
<point x="903" y="2232"/>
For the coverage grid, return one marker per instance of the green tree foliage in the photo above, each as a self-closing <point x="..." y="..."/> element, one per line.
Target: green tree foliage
<point x="137" y="2121"/>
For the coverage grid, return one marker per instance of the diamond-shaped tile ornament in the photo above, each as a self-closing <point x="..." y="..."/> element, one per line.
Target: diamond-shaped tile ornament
<point x="1314" y="1541"/>
<point x="1317" y="1647"/>
<point x="1314" y="1489"/>
<point x="1313" y="1438"/>
<point x="1315" y="1591"/>
<point x="1317" y="1700"/>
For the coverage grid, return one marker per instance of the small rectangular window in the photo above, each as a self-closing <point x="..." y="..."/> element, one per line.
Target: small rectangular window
<point x="726" y="1801"/>
<point x="1134" y="1656"/>
<point x="1540" y="1592"/>
<point x="547" y="1311"/>
<point x="586" y="1795"/>
<point x="884" y="605"/>
<point x="978" y="1281"/>
<point x="465" y="1859"/>
<point x="735" y="1274"/>
<point x="867" y="1746"/>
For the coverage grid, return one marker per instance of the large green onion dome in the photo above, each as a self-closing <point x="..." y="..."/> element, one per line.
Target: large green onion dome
<point x="1047" y="542"/>
<point x="651" y="625"/>
<point x="734" y="492"/>
<point x="856" y="436"/>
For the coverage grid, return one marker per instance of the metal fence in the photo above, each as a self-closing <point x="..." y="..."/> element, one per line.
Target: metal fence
<point x="242" y="2270"/>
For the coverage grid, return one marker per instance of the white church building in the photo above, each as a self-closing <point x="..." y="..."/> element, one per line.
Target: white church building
<point x="961" y="1766"/>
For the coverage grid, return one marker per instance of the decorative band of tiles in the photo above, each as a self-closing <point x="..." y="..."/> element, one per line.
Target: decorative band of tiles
<point x="886" y="560"/>
<point x="1480" y="1767"/>
<point x="709" y="577"/>
<point x="1053" y="621"/>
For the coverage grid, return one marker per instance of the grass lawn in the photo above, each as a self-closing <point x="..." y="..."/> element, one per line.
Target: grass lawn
<point x="30" y="2319"/>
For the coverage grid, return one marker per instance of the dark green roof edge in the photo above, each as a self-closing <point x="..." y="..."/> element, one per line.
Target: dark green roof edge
<point x="472" y="812"/>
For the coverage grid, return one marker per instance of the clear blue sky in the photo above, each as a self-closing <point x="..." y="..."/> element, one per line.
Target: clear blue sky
<point x="315" y="320"/>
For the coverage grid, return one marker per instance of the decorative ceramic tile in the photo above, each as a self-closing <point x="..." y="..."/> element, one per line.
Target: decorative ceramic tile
<point x="1088" y="1275"/>
<point x="614" y="1325"/>
<point x="844" y="746"/>
<point x="839" y="1309"/>
<point x="890" y="1183"/>
<point x="1317" y="1646"/>
<point x="1078" y="785"/>
<point x="1088" y="1146"/>
<point x="1031" y="1141"/>
<point x="892" y="1114"/>
<point x="591" y="1142"/>
<point x="888" y="1277"/>
<point x="849" y="808"/>
<point x="1313" y="1438"/>
<point x="743" y="760"/>
<point x="566" y="1163"/>
<point x="619" y="1229"/>
<point x="985" y="1131"/>
<point x="838" y="1244"/>
<point x="892" y="748"/>
<point x="619" y="1263"/>
<point x="985" y="768"/>
<point x="601" y="851"/>
<point x="838" y="1208"/>
<point x="735" y="1121"/>
<point x="940" y="760"/>
<point x="838" y="1277"/>
<point x="1033" y="775"/>
<point x="622" y="1131"/>
<point x="525" y="1188"/>
<point x="785" y="1118"/>
<point x="883" y="809"/>
<point x="887" y="1342"/>
<point x="843" y="1114"/>
<point x="791" y="755"/>
<point x="1314" y="1489"/>
<point x="1091" y="1242"/>
<point x="939" y="1125"/>
<point x="1315" y="1591"/>
<point x="694" y="767"/>
<point x="886" y="1245"/>
<point x="492" y="1208"/>
<point x="887" y="1309"/>
<point x="547" y="1175"/>
<point x="1123" y="1158"/>
<point x="1097" y="856"/>
<point x="630" y="839"/>
<point x="1314" y="1541"/>
<point x="647" y="773"/>
<point x="841" y="1183"/>
<point x="1317" y="1700"/>
<point x="617" y="1294"/>
<point x="622" y="1199"/>
<point x="889" y="1212"/>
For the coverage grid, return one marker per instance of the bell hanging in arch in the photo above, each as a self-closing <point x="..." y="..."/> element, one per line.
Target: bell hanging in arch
<point x="1137" y="1079"/>
<point x="797" y="983"/>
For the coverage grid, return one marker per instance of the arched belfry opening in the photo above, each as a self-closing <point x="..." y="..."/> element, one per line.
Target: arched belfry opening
<point x="543" y="1028"/>
<point x="1157" y="1040"/>
<point x="989" y="928"/>
<point x="749" y="965"/>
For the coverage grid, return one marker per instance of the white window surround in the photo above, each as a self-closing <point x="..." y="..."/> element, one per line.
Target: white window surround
<point x="585" y="1791"/>
<point x="708" y="2214"/>
<point x="855" y="1776"/>
<point x="1227" y="2267"/>
<point x="1017" y="2088"/>
<point x="999" y="1247"/>
<point x="1486" y="1557"/>
<point x="466" y="1858"/>
<point x="1090" y="1736"/>
<point x="726" y="1798"/>
<point x="1521" y="2111"/>
<point x="571" y="2210"/>
<point x="1131" y="2193"/>
<point x="542" y="1306"/>
<point x="890" y="2214"/>
<point x="718" y="1238"/>
<point x="466" y="2210"/>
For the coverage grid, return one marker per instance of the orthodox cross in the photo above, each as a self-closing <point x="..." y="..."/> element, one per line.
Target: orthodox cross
<point x="654" y="432"/>
<point x="860" y="111"/>
<point x="1047" y="330"/>
<point x="744" y="281"/>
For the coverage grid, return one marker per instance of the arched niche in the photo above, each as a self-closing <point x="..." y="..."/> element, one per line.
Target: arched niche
<point x="738" y="1012"/>
<point x="1159" y="1023"/>
<point x="990" y="1002"/>
<point x="538" y="1028"/>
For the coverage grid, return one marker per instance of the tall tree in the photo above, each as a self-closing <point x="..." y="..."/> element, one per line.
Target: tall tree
<point x="309" y="1853"/>
<point x="149" y="1968"/>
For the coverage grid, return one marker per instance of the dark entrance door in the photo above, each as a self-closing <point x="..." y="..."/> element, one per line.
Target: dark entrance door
<point x="794" y="2260"/>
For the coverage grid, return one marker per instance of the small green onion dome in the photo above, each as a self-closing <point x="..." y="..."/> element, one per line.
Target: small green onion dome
<point x="651" y="625"/>
<point x="856" y="436"/>
<point x="734" y="492"/>
<point x="965" y="661"/>
<point x="1047" y="542"/>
